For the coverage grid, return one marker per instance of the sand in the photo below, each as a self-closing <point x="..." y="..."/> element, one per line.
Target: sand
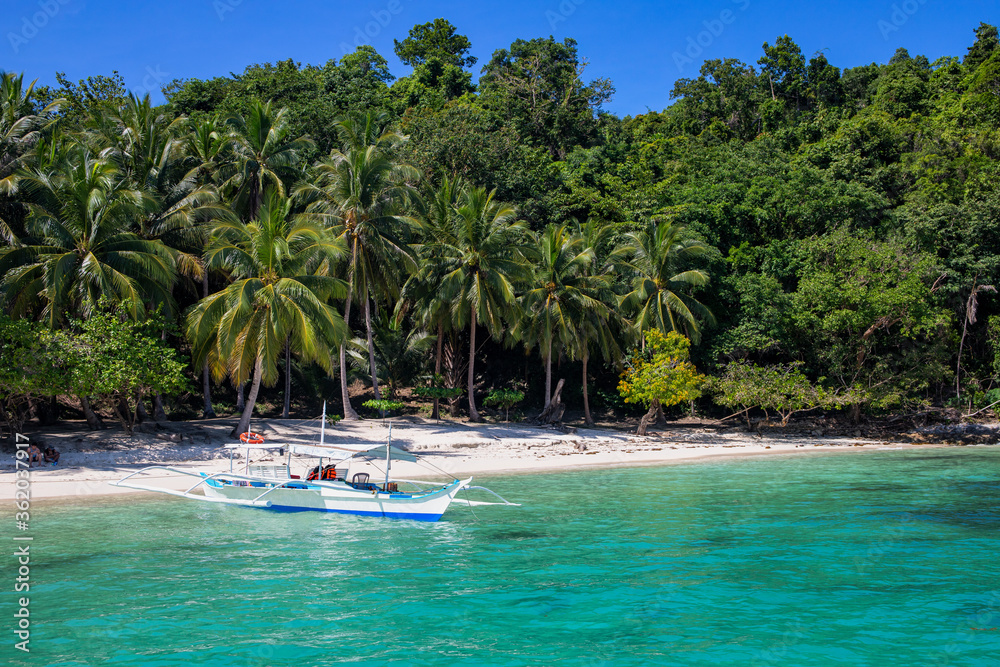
<point x="448" y="448"/>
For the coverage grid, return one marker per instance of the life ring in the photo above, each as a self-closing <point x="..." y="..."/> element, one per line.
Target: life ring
<point x="252" y="438"/>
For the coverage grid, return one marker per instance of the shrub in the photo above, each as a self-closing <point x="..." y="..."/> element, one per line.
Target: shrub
<point x="504" y="398"/>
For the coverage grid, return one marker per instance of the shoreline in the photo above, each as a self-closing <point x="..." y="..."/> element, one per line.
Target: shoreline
<point x="92" y="460"/>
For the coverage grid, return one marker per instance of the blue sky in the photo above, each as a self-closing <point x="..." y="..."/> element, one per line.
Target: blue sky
<point x="643" y="47"/>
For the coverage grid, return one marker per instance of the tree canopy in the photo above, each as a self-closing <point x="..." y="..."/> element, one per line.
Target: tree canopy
<point x="833" y="224"/>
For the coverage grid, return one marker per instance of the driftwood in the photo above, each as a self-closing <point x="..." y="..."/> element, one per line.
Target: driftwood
<point x="553" y="414"/>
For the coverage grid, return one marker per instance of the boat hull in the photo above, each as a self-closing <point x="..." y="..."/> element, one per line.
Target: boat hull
<point x="344" y="499"/>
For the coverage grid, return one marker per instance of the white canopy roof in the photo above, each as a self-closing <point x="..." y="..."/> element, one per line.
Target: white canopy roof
<point x="323" y="451"/>
<point x="243" y="445"/>
<point x="340" y="452"/>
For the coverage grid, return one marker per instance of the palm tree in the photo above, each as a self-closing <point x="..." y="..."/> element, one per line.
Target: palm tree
<point x="263" y="155"/>
<point x="422" y="295"/>
<point x="660" y="296"/>
<point x="149" y="148"/>
<point x="562" y="294"/>
<point x="151" y="151"/>
<point x="657" y="257"/>
<point x="399" y="351"/>
<point x="137" y="136"/>
<point x="19" y="123"/>
<point x="484" y="262"/>
<point x="79" y="214"/>
<point x="277" y="302"/>
<point x="598" y="329"/>
<point x="361" y="192"/>
<point x="79" y="246"/>
<point x="204" y="149"/>
<point x="21" y="128"/>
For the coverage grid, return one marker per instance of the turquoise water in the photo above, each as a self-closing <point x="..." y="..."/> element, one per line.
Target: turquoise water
<point x="885" y="558"/>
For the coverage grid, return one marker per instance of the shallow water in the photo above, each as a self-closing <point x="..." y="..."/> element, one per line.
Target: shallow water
<point x="869" y="559"/>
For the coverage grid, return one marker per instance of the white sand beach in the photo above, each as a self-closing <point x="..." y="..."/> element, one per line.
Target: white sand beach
<point x="92" y="459"/>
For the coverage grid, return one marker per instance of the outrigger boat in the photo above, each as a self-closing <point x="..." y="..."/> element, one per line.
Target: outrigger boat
<point x="324" y="488"/>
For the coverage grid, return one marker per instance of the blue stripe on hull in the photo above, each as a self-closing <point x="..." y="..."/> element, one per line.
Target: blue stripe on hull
<point x="388" y="515"/>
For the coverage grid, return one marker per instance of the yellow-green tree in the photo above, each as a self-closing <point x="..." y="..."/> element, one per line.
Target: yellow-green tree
<point x="661" y="375"/>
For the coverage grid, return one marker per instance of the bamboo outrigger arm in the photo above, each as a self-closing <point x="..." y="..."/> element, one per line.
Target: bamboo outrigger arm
<point x="478" y="503"/>
<point x="253" y="502"/>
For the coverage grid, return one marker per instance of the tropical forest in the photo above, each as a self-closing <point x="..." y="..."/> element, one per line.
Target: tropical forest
<point x="482" y="240"/>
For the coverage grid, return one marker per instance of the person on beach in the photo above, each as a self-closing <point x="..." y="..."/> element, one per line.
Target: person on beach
<point x="34" y="455"/>
<point x="51" y="455"/>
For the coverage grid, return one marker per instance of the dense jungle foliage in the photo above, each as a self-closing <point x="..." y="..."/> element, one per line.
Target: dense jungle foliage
<point x="296" y="227"/>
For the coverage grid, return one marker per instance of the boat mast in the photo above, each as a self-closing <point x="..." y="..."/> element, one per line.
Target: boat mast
<point x="388" y="444"/>
<point x="322" y="433"/>
<point x="322" y="425"/>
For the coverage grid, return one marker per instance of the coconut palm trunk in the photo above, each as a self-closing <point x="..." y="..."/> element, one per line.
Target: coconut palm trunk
<point x="244" y="424"/>
<point x="548" y="376"/>
<point x="587" y="419"/>
<point x="288" y="380"/>
<point x="473" y="413"/>
<point x="349" y="413"/>
<point x="371" y="350"/>
<point x="436" y="412"/>
<point x="206" y="391"/>
<point x="206" y="375"/>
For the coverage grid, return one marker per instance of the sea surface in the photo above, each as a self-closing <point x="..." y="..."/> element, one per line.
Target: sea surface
<point x="875" y="558"/>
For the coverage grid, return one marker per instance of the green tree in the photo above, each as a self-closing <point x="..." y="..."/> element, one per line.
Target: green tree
<point x="868" y="316"/>
<point x="148" y="146"/>
<point x="20" y="126"/>
<point x="504" y="398"/>
<point x="400" y="352"/>
<point x="599" y="328"/>
<point x="783" y="388"/>
<point x="87" y="96"/>
<point x="264" y="155"/>
<point x="118" y="360"/>
<point x="485" y="261"/>
<point x="783" y="69"/>
<point x="80" y="214"/>
<point x="538" y="85"/>
<point x="23" y="128"/>
<point x="436" y="39"/>
<point x="465" y="140"/>
<point x="361" y="192"/>
<point x="286" y="84"/>
<point x="660" y="375"/>
<point x="987" y="43"/>
<point x="423" y="296"/>
<point x="432" y="84"/>
<point x="358" y="84"/>
<point x="32" y="367"/>
<point x="727" y="92"/>
<point x="276" y="304"/>
<point x="659" y="256"/>
<point x="560" y="297"/>
<point x="205" y="146"/>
